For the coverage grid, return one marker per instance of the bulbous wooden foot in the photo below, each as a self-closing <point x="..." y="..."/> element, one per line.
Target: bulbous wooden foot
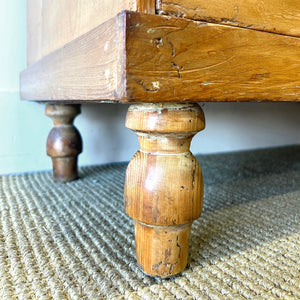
<point x="64" y="142"/>
<point x="163" y="186"/>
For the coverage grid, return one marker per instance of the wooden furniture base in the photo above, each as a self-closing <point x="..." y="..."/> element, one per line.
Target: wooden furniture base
<point x="64" y="142"/>
<point x="163" y="185"/>
<point x="163" y="57"/>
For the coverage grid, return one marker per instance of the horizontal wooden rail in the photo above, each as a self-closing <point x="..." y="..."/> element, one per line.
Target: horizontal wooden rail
<point x="276" y="16"/>
<point x="136" y="57"/>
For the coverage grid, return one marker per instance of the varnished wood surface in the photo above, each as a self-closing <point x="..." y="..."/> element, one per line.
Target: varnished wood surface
<point x="163" y="185"/>
<point x="89" y="68"/>
<point x="53" y="23"/>
<point x="138" y="57"/>
<point x="64" y="142"/>
<point x="162" y="251"/>
<point x="145" y="6"/>
<point x="174" y="59"/>
<point x="268" y="15"/>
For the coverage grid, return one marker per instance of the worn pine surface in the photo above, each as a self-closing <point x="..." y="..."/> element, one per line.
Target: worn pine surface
<point x="91" y="67"/>
<point x="163" y="185"/>
<point x="174" y="59"/>
<point x="150" y="58"/>
<point x="269" y="15"/>
<point x="145" y="6"/>
<point x="51" y="23"/>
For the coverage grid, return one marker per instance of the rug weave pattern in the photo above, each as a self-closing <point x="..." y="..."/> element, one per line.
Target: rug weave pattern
<point x="74" y="241"/>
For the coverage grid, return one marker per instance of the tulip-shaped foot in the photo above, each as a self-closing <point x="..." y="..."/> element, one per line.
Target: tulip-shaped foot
<point x="64" y="142"/>
<point x="163" y="186"/>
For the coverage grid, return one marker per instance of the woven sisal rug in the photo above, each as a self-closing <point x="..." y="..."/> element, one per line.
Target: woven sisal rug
<point x="73" y="241"/>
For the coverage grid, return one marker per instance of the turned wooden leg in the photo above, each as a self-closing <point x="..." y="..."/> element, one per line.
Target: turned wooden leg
<point x="64" y="142"/>
<point x="163" y="186"/>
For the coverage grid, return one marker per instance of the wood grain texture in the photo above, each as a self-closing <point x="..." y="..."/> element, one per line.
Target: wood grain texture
<point x="145" y="6"/>
<point x="163" y="185"/>
<point x="64" y="142"/>
<point x="268" y="15"/>
<point x="137" y="57"/>
<point x="162" y="251"/>
<point x="175" y="59"/>
<point x="51" y="23"/>
<point x="89" y="68"/>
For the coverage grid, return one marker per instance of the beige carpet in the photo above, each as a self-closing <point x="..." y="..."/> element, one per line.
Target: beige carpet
<point x="73" y="241"/>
